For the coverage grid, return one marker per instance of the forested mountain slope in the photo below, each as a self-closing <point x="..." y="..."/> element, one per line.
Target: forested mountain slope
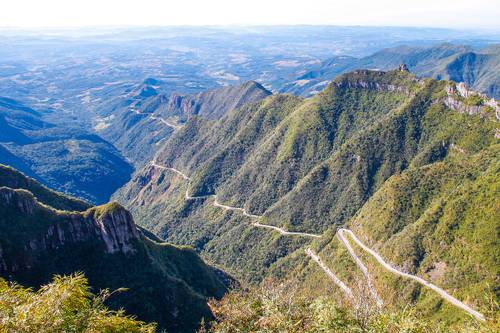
<point x="312" y="165"/>
<point x="10" y="177"/>
<point x="165" y="284"/>
<point x="138" y="125"/>
<point x="437" y="221"/>
<point x="62" y="156"/>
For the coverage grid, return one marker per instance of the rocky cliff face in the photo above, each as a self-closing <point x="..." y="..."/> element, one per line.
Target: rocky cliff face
<point x="464" y="100"/>
<point x="214" y="103"/>
<point x="370" y="86"/>
<point x="21" y="199"/>
<point x="109" y="227"/>
<point x="181" y="105"/>
<point x="116" y="228"/>
<point x="375" y="81"/>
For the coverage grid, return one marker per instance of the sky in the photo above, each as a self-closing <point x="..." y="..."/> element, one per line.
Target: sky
<point x="465" y="14"/>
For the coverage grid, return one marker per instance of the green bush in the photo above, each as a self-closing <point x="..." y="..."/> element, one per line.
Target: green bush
<point x="474" y="100"/>
<point x="283" y="308"/>
<point x="65" y="305"/>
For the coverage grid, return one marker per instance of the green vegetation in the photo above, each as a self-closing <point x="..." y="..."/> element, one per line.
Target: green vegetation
<point x="12" y="178"/>
<point x="64" y="305"/>
<point x="477" y="68"/>
<point x="64" y="157"/>
<point x="282" y="308"/>
<point x="425" y="219"/>
<point x="313" y="165"/>
<point x="474" y="100"/>
<point x="437" y="221"/>
<point x="138" y="136"/>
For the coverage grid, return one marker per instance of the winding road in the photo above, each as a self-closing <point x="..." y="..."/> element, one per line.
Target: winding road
<point x="183" y="175"/>
<point x="187" y="196"/>
<point x="284" y="232"/>
<point x="341" y="234"/>
<point x="151" y="116"/>
<point x="390" y="268"/>
<point x="362" y="267"/>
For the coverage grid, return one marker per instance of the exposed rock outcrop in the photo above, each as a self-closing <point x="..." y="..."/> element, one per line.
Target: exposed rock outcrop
<point x="165" y="284"/>
<point x="403" y="68"/>
<point x="142" y="123"/>
<point x="214" y="103"/>
<point x="371" y="86"/>
<point x="459" y="93"/>
<point x="21" y="199"/>
<point x="367" y="79"/>
<point x="110" y="227"/>
<point x="116" y="228"/>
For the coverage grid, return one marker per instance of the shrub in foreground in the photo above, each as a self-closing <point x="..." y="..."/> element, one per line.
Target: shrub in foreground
<point x="65" y="305"/>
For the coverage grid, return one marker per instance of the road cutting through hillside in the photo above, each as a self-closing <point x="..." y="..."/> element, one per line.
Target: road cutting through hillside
<point x="393" y="270"/>
<point x="151" y="116"/>
<point x="180" y="173"/>
<point x="330" y="274"/>
<point x="284" y="232"/>
<point x="341" y="236"/>
<point x="226" y="207"/>
<point x="362" y="267"/>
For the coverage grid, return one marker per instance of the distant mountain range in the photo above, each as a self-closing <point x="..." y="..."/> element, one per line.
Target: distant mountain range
<point x="62" y="156"/>
<point x="46" y="233"/>
<point x="477" y="68"/>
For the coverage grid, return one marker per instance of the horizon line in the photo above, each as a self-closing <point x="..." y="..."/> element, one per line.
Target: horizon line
<point x="250" y="25"/>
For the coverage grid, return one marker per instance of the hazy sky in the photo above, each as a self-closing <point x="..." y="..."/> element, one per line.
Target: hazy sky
<point x="68" y="13"/>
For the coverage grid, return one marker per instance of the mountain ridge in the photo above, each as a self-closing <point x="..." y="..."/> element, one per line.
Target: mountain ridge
<point x="459" y="63"/>
<point x="138" y="127"/>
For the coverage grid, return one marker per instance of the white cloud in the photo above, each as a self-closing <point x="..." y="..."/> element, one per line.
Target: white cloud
<point x="67" y="13"/>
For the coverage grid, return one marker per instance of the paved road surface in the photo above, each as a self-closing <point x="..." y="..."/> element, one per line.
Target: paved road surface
<point x="175" y="127"/>
<point x="328" y="272"/>
<point x="440" y="291"/>
<point x="362" y="267"/>
<point x="187" y="196"/>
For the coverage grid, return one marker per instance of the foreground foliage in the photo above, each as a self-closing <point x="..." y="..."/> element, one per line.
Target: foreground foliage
<point x="283" y="308"/>
<point x="65" y="305"/>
